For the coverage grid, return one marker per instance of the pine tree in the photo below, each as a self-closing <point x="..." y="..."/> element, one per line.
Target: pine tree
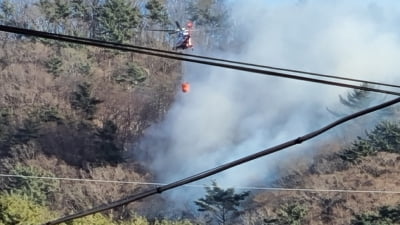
<point x="355" y="100"/>
<point x="56" y="13"/>
<point x="292" y="214"/>
<point x="17" y="209"/>
<point x="54" y="66"/>
<point x="221" y="204"/>
<point x="28" y="131"/>
<point x="212" y="16"/>
<point x="132" y="75"/>
<point x="4" y="124"/>
<point x="289" y="214"/>
<point x="7" y="13"/>
<point x="36" y="190"/>
<point x="83" y="14"/>
<point x="385" y="216"/>
<point x="385" y="137"/>
<point x="157" y="12"/>
<point x="82" y="100"/>
<point x="108" y="148"/>
<point x="116" y="20"/>
<point x="6" y="131"/>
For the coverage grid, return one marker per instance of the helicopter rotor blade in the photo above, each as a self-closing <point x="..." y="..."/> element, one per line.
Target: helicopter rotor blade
<point x="178" y="25"/>
<point x="162" y="30"/>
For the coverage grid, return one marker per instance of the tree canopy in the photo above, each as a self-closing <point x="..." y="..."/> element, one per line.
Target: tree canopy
<point x="222" y="204"/>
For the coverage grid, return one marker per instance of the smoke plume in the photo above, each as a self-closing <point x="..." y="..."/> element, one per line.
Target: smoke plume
<point x="230" y="114"/>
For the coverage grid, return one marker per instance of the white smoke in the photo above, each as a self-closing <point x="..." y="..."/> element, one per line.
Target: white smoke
<point x="230" y="114"/>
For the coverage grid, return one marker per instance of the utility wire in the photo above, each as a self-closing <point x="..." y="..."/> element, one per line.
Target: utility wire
<point x="79" y="179"/>
<point x="203" y="186"/>
<point x="261" y="66"/>
<point x="173" y="55"/>
<point x="244" y="63"/>
<point x="223" y="167"/>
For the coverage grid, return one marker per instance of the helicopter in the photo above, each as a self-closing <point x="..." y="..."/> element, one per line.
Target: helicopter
<point x="183" y="41"/>
<point x="184" y="36"/>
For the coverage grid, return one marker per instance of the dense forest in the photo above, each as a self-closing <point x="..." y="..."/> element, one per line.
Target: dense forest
<point x="74" y="111"/>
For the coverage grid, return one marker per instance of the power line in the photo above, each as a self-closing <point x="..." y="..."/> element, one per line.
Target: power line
<point x="79" y="179"/>
<point x="210" y="61"/>
<point x="223" y="167"/>
<point x="240" y="63"/>
<point x="262" y="66"/>
<point x="203" y="186"/>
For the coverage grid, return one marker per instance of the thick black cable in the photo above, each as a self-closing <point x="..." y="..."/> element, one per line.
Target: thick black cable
<point x="223" y="167"/>
<point x="173" y="55"/>
<point x="266" y="67"/>
<point x="246" y="64"/>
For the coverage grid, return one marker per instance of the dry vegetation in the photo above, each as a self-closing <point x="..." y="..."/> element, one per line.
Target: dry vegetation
<point x="374" y="173"/>
<point x="66" y="146"/>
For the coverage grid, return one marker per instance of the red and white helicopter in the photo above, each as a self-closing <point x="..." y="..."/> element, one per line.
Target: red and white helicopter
<point x="184" y="37"/>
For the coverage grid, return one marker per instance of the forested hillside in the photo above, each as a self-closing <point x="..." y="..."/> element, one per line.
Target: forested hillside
<point x="74" y="111"/>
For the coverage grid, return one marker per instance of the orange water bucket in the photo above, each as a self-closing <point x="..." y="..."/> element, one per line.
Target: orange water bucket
<point x="185" y="87"/>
